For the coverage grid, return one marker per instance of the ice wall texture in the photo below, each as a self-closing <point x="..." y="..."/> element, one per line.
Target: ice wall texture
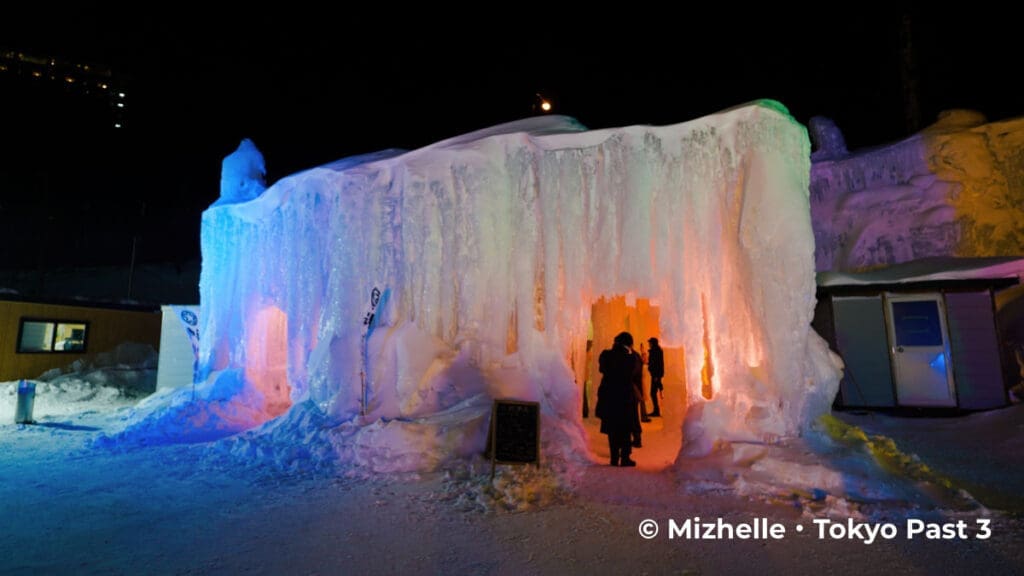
<point x="489" y="249"/>
<point x="955" y="189"/>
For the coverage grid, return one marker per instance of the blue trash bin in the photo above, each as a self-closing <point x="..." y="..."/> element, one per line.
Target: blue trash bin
<point x="26" y="400"/>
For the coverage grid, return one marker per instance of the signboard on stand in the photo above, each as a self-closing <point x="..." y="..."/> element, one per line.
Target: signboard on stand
<point x="515" y="433"/>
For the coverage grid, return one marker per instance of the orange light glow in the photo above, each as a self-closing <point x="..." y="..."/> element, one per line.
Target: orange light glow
<point x="707" y="372"/>
<point x="267" y="359"/>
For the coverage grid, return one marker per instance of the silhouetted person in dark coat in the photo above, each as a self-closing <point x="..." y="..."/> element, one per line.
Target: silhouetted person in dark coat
<point x="656" y="366"/>
<point x="640" y="408"/>
<point x="616" y="401"/>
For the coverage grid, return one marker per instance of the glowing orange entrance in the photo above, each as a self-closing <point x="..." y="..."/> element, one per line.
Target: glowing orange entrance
<point x="662" y="437"/>
<point x="266" y="363"/>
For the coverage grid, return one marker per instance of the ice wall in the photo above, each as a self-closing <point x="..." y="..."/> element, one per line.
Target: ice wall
<point x="955" y="189"/>
<point x="486" y="252"/>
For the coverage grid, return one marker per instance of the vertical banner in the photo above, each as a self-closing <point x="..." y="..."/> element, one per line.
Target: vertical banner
<point x="179" y="347"/>
<point x="370" y="320"/>
<point x="189" y="316"/>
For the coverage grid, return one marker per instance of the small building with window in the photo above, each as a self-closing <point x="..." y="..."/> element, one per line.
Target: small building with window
<point x="934" y="333"/>
<point x="37" y="336"/>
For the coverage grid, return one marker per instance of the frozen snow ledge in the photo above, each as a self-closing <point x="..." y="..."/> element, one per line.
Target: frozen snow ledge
<point x="953" y="189"/>
<point x="406" y="284"/>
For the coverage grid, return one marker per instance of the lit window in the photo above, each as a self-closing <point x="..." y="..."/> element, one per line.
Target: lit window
<point x="120" y="94"/>
<point x="120" y="104"/>
<point x="118" y="125"/>
<point x="52" y="336"/>
<point x="69" y="79"/>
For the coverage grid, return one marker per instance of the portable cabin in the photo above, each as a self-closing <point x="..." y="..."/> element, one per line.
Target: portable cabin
<point x="924" y="334"/>
<point x="38" y="336"/>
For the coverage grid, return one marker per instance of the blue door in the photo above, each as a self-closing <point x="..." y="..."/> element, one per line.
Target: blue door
<point x="919" y="346"/>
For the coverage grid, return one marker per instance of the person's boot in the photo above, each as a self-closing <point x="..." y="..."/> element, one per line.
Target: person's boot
<point x="627" y="462"/>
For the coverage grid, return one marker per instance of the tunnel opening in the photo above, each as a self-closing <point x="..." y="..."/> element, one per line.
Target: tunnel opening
<point x="266" y="366"/>
<point x="661" y="437"/>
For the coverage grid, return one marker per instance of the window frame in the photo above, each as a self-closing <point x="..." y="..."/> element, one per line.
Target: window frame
<point x="53" y="341"/>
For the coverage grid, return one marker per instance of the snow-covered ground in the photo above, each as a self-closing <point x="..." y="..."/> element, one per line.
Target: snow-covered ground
<point x="333" y="430"/>
<point x="74" y="501"/>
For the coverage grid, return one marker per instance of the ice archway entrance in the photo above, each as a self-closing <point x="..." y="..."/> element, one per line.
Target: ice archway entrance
<point x="662" y="437"/>
<point x="266" y="359"/>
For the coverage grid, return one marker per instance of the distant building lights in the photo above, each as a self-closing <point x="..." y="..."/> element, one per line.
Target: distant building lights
<point x="103" y="86"/>
<point x="120" y="104"/>
<point x="120" y="94"/>
<point x="117" y="125"/>
<point x="545" y="106"/>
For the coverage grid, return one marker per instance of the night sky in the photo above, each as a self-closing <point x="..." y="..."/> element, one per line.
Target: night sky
<point x="313" y="87"/>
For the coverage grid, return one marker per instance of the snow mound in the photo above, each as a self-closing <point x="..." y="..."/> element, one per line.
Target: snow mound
<point x="109" y="381"/>
<point x="187" y="415"/>
<point x="512" y="489"/>
<point x="952" y="189"/>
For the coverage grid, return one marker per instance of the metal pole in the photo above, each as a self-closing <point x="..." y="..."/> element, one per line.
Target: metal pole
<point x="131" y="266"/>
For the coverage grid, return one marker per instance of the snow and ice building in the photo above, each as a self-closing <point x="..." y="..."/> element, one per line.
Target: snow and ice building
<point x="400" y="288"/>
<point x="955" y="189"/>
